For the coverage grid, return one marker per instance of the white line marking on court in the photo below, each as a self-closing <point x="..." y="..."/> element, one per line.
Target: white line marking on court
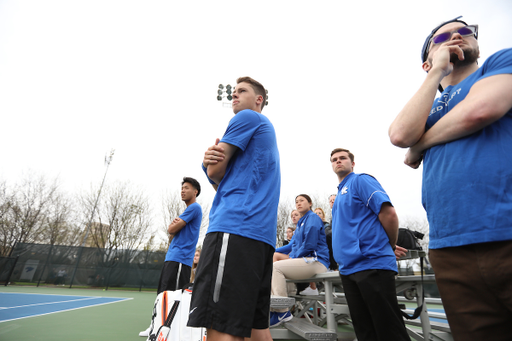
<point x="60" y="311"/>
<point x="45" y="303"/>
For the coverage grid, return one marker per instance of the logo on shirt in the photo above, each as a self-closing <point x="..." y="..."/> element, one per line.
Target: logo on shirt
<point x="344" y="190"/>
<point x="444" y="101"/>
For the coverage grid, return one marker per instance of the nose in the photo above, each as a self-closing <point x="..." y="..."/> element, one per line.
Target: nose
<point x="455" y="35"/>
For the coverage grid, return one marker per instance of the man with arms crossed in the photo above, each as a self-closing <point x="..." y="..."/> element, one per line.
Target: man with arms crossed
<point x="185" y="231"/>
<point x="465" y="140"/>
<point x="231" y="296"/>
<point x="364" y="234"/>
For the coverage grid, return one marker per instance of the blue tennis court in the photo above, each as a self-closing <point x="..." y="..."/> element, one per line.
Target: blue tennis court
<point x="14" y="306"/>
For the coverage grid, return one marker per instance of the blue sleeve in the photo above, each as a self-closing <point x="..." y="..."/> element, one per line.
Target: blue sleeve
<point x="241" y="128"/>
<point x="192" y="212"/>
<point x="286" y="249"/>
<point x="499" y="63"/>
<point x="206" y="173"/>
<point x="371" y="192"/>
<point x="310" y="241"/>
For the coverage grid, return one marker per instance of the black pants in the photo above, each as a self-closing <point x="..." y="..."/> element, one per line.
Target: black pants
<point x="371" y="298"/>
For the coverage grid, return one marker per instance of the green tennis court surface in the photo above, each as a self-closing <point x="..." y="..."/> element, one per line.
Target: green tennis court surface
<point x="119" y="320"/>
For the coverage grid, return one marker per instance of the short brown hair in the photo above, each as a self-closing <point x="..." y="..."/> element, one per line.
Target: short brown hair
<point x="257" y="87"/>
<point x="337" y="150"/>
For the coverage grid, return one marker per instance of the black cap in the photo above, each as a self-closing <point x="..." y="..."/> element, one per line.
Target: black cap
<point x="424" y="53"/>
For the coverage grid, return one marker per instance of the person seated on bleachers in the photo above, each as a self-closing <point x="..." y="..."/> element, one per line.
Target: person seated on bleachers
<point x="306" y="256"/>
<point x="281" y="253"/>
<point x="289" y="234"/>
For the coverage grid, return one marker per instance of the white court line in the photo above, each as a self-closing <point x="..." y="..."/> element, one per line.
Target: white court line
<point x="45" y="303"/>
<point x="60" y="311"/>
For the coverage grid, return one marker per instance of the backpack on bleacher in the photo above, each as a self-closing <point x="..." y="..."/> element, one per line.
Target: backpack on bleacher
<point x="409" y="239"/>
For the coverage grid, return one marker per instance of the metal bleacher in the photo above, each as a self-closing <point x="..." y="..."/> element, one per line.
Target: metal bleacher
<point x="316" y="318"/>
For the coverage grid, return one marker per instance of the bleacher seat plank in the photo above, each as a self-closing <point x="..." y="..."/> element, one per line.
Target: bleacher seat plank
<point x="309" y="331"/>
<point x="278" y="302"/>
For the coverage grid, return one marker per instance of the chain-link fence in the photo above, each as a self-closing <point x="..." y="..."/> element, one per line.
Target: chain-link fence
<point x="40" y="264"/>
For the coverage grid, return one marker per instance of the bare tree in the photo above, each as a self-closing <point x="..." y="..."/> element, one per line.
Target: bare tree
<point x="172" y="207"/>
<point x="59" y="225"/>
<point x="283" y="219"/>
<point x="23" y="209"/>
<point x="123" y="217"/>
<point x="7" y="234"/>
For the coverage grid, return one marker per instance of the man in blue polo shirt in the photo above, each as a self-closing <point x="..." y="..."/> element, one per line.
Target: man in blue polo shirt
<point x="231" y="294"/>
<point x="464" y="138"/>
<point x="185" y="232"/>
<point x="364" y="235"/>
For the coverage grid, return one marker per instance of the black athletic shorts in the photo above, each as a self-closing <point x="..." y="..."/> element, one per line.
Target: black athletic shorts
<point x="232" y="287"/>
<point x="174" y="276"/>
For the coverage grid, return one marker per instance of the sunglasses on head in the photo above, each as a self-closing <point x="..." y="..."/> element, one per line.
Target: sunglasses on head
<point x="463" y="31"/>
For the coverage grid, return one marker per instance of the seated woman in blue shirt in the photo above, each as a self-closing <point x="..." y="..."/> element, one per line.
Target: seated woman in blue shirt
<point x="306" y="255"/>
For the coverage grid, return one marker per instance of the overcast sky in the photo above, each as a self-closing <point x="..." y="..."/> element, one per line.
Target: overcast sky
<point x="78" y="78"/>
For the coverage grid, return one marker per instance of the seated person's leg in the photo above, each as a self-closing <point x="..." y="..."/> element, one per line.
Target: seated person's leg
<point x="279" y="256"/>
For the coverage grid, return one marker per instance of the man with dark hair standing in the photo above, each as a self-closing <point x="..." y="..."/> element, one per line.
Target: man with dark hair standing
<point x="364" y="233"/>
<point x="185" y="231"/>
<point x="465" y="140"/>
<point x="231" y="296"/>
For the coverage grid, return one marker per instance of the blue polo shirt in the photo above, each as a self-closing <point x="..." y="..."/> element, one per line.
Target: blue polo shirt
<point x="359" y="240"/>
<point x="183" y="245"/>
<point x="247" y="197"/>
<point x="467" y="182"/>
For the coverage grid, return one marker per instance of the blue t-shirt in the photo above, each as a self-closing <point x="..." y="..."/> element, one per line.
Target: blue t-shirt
<point x="467" y="182"/>
<point x="359" y="240"/>
<point x="183" y="245"/>
<point x="247" y="197"/>
<point x="309" y="239"/>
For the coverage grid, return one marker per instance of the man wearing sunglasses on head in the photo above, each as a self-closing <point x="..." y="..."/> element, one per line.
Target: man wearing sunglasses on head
<point x="464" y="138"/>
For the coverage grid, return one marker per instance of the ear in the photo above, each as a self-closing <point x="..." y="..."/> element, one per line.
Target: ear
<point x="259" y="100"/>
<point x="426" y="66"/>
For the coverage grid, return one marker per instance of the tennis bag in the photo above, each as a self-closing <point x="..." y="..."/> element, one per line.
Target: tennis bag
<point x="170" y="317"/>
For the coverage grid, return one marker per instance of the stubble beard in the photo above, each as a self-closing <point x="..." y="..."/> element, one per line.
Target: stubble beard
<point x="470" y="57"/>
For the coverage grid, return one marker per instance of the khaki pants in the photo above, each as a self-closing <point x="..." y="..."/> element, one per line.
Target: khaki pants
<point x="293" y="268"/>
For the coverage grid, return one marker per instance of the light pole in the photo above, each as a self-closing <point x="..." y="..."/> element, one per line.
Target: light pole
<point x="108" y="160"/>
